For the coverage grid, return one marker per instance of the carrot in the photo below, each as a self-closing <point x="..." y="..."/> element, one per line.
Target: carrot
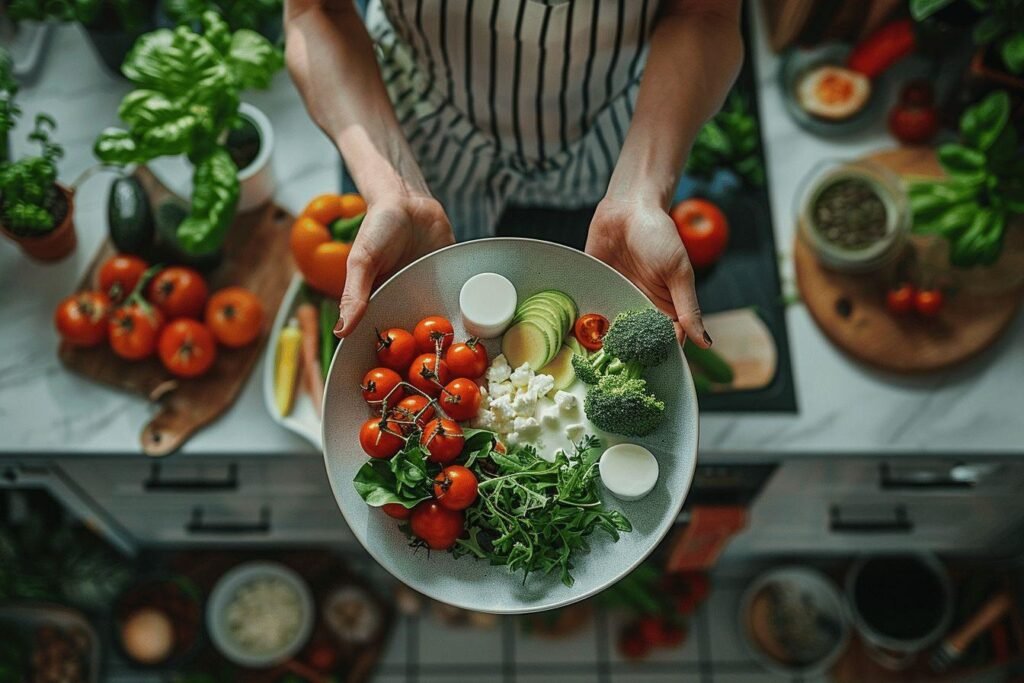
<point x="310" y="325"/>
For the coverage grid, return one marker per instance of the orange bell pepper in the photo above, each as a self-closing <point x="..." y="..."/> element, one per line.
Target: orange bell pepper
<point x="321" y="240"/>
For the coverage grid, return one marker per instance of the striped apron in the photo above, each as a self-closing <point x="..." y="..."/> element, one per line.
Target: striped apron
<point x="512" y="102"/>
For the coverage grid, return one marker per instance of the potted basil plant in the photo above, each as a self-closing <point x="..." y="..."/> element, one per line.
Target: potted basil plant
<point x="981" y="201"/>
<point x="186" y="102"/>
<point x="36" y="211"/>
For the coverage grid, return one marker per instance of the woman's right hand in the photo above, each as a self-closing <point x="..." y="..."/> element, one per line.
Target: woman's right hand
<point x="394" y="233"/>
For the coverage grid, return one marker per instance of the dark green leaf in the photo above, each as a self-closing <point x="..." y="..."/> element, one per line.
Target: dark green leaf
<point x="1012" y="52"/>
<point x="116" y="146"/>
<point x="982" y="123"/>
<point x="253" y="59"/>
<point x="963" y="163"/>
<point x="988" y="28"/>
<point x="922" y="9"/>
<point x="214" y="197"/>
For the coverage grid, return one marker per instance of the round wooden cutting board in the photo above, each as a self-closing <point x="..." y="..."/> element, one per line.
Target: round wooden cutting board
<point x="850" y="309"/>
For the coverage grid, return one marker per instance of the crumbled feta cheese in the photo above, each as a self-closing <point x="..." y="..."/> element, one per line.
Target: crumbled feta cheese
<point x="565" y="401"/>
<point x="485" y="419"/>
<point x="549" y="418"/>
<point x="511" y="438"/>
<point x="527" y="427"/>
<point x="520" y="377"/>
<point x="502" y="407"/>
<point x="497" y="373"/>
<point x="541" y="384"/>
<point x="574" y="432"/>
<point x="525" y="403"/>
<point x="500" y="389"/>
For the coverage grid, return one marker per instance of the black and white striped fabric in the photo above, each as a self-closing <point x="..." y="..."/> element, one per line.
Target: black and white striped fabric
<point x="522" y="102"/>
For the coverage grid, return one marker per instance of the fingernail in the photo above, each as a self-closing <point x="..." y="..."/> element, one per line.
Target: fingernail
<point x="707" y="338"/>
<point x="339" y="326"/>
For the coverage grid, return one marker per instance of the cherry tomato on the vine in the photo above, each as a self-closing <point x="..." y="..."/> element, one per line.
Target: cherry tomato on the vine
<point x="455" y="488"/>
<point x="81" y="318"/>
<point x="928" y="302"/>
<point x="379" y="439"/>
<point x="461" y="399"/>
<point x="395" y="349"/>
<point x="380" y="383"/>
<point x="433" y="330"/>
<point x="437" y="526"/>
<point x="396" y="511"/>
<point x="590" y="330"/>
<point x="414" y="407"/>
<point x="427" y="375"/>
<point x="900" y="300"/>
<point x="467" y="359"/>
<point x="443" y="440"/>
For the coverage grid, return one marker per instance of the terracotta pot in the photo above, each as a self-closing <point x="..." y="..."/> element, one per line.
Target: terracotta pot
<point x="57" y="243"/>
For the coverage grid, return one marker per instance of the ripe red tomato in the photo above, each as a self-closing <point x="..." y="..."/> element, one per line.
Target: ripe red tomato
<point x="178" y="292"/>
<point x="426" y="377"/>
<point x="437" y="526"/>
<point x="900" y="299"/>
<point x="380" y="383"/>
<point x="431" y="331"/>
<point x="396" y="511"/>
<point x="928" y="302"/>
<point x="235" y="316"/>
<point x="455" y="488"/>
<point x="631" y="644"/>
<point x="133" y="331"/>
<point x="461" y="399"/>
<point x="81" y="319"/>
<point x="467" y="359"/>
<point x="914" y="119"/>
<point x="119" y="274"/>
<point x="395" y="349"/>
<point x="443" y="440"/>
<point x="704" y="230"/>
<point x="187" y="348"/>
<point x="590" y="330"/>
<point x="412" y="406"/>
<point x="378" y="442"/>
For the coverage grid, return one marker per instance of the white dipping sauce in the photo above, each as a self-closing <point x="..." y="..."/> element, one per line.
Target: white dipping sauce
<point x="628" y="471"/>
<point x="488" y="303"/>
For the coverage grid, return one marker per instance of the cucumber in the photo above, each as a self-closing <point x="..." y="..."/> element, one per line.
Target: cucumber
<point x="560" y="368"/>
<point x="562" y="300"/>
<point x="540" y="311"/>
<point x="527" y="342"/>
<point x="710" y="363"/>
<point x="130" y="217"/>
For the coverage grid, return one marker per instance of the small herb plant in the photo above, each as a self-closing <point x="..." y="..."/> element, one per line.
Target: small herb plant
<point x="186" y="102"/>
<point x="985" y="188"/>
<point x="729" y="140"/>
<point x="9" y="110"/>
<point x="250" y="14"/>
<point x="30" y="201"/>
<point x="1001" y="24"/>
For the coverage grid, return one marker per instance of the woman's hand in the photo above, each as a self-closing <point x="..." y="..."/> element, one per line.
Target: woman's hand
<point x="639" y="240"/>
<point x="394" y="233"/>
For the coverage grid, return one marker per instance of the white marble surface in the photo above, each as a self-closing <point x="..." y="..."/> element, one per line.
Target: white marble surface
<point x="843" y="408"/>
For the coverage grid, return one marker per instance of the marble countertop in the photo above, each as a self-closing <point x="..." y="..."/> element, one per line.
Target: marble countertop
<point x="843" y="407"/>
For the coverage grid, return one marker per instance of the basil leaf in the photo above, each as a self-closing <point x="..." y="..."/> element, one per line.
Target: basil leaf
<point x="988" y="28"/>
<point x="253" y="59"/>
<point x="376" y="485"/>
<point x="922" y="9"/>
<point x="214" y="197"/>
<point x="116" y="146"/>
<point x="216" y="31"/>
<point x="1012" y="52"/>
<point x="963" y="163"/>
<point x="982" y="123"/>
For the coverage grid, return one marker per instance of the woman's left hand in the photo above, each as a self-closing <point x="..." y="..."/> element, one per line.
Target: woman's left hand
<point x="640" y="241"/>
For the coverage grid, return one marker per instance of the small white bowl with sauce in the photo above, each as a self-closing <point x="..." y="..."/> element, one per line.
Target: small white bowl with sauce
<point x="488" y="304"/>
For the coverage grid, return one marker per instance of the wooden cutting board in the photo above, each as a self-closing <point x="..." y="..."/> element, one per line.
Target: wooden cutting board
<point x="747" y="345"/>
<point x="255" y="257"/>
<point x="850" y="309"/>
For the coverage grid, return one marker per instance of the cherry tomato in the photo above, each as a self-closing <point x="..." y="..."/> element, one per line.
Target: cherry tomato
<point x="187" y="348"/>
<point x="119" y="274"/>
<point x="928" y="302"/>
<point x="433" y="330"/>
<point x="412" y="406"/>
<point x="649" y="628"/>
<point x="631" y="644"/>
<point x="81" y="319"/>
<point x="590" y="330"/>
<point x="380" y="383"/>
<point x="704" y="230"/>
<point x="323" y="657"/>
<point x="900" y="300"/>
<point x="443" y="440"/>
<point x="424" y="376"/>
<point x="380" y="443"/>
<point x="914" y="119"/>
<point x="461" y="399"/>
<point x="134" y="329"/>
<point x="455" y="488"/>
<point x="395" y="349"/>
<point x="178" y="292"/>
<point x="396" y="511"/>
<point x="235" y="316"/>
<point x="467" y="359"/>
<point x="437" y="526"/>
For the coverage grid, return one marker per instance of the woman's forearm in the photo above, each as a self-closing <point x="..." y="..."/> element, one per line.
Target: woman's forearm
<point x="331" y="59"/>
<point x="695" y="55"/>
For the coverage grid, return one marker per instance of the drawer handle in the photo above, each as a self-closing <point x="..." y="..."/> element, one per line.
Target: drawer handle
<point x="922" y="480"/>
<point x="156" y="482"/>
<point x="197" y="525"/>
<point x="899" y="524"/>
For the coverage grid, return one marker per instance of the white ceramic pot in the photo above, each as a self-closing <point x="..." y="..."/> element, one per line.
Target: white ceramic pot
<point x="257" y="179"/>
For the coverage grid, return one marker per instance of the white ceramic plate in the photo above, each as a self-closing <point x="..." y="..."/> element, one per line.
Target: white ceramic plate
<point x="224" y="592"/>
<point x="430" y="286"/>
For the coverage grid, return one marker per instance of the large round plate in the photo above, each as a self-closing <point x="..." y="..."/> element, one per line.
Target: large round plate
<point x="430" y="286"/>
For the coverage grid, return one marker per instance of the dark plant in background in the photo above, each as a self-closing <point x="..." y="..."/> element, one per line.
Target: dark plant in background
<point x="985" y="188"/>
<point x="730" y="140"/>
<point x="9" y="110"/>
<point x="30" y="201"/>
<point x="186" y="102"/>
<point x="129" y="15"/>
<point x="250" y="14"/>
<point x="1000" y="24"/>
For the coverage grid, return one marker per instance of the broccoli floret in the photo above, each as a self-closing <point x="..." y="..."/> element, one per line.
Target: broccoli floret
<point x="622" y="405"/>
<point x="590" y="369"/>
<point x="644" y="335"/>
